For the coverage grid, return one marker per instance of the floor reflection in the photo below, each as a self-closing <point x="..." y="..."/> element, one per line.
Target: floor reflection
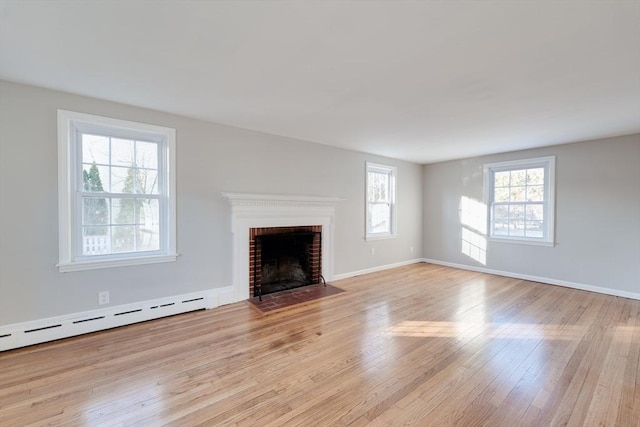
<point x="131" y="396"/>
<point x="377" y="350"/>
<point x="471" y="312"/>
<point x="444" y="329"/>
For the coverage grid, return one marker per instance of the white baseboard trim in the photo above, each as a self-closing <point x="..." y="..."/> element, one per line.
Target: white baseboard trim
<point x="42" y="330"/>
<point x="567" y="284"/>
<point x="226" y="296"/>
<point x="374" y="269"/>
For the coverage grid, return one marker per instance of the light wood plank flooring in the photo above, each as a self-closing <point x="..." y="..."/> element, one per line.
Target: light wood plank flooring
<point x="418" y="345"/>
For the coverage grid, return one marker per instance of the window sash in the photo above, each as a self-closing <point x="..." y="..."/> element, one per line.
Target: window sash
<point x="384" y="177"/>
<point x="81" y="225"/>
<point x="81" y="195"/>
<point x="523" y="219"/>
<point x="524" y="229"/>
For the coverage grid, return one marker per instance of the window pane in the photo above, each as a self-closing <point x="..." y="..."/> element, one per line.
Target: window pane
<point x="516" y="220"/>
<point x="535" y="193"/>
<point x="501" y="195"/>
<point x="535" y="176"/>
<point x="122" y="180"/>
<point x="95" y="211"/>
<point x="95" y="149"/>
<point x="95" y="231"/>
<point x="518" y="177"/>
<point x="122" y="152"/>
<point x="123" y="238"/>
<point x="146" y="181"/>
<point x="501" y="179"/>
<point x="147" y="155"/>
<point x="95" y="178"/>
<point x="123" y="211"/>
<point x="149" y="212"/>
<point x="378" y="187"/>
<point x="535" y="212"/>
<point x="148" y="238"/>
<point x="95" y="241"/>
<point x="516" y="212"/>
<point x="501" y="212"/>
<point x="379" y="218"/>
<point x="517" y="194"/>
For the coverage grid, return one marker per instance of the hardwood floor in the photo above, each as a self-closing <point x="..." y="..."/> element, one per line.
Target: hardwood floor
<point x="423" y="345"/>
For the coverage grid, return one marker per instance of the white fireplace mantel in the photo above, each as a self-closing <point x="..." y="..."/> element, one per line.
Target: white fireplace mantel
<point x="274" y="210"/>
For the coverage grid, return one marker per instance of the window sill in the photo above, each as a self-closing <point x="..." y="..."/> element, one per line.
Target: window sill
<point x="521" y="241"/>
<point x="380" y="237"/>
<point x="67" y="267"/>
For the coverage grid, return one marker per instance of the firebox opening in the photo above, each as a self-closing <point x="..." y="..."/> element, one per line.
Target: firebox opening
<point x="286" y="261"/>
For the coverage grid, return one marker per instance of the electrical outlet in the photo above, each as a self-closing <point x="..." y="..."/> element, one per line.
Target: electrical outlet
<point x="373" y="251"/>
<point x="103" y="297"/>
<point x="411" y="249"/>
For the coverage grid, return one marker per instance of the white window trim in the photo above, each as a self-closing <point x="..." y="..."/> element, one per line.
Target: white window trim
<point x="394" y="173"/>
<point x="549" y="163"/>
<point x="68" y="123"/>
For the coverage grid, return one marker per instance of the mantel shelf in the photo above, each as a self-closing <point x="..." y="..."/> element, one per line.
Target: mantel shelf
<point x="244" y="199"/>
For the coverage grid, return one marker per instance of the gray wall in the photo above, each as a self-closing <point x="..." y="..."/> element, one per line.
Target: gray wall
<point x="597" y="215"/>
<point x="211" y="159"/>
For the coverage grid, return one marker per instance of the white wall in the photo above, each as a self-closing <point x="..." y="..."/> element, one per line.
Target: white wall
<point x="211" y="159"/>
<point x="597" y="204"/>
<point x="597" y="216"/>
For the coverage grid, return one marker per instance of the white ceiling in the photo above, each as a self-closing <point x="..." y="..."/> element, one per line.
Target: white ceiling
<point x="420" y="81"/>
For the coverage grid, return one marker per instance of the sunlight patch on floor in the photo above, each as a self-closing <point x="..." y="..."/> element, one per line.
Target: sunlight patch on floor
<point x="441" y="329"/>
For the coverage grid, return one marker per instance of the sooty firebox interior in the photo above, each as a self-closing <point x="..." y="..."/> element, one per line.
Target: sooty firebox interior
<point x="286" y="261"/>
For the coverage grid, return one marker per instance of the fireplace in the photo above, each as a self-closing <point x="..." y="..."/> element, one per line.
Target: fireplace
<point x="250" y="211"/>
<point x="283" y="258"/>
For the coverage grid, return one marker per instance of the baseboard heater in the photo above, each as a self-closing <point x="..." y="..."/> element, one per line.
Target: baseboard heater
<point x="44" y="330"/>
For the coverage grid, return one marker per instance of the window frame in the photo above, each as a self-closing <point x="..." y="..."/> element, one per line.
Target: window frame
<point x="71" y="125"/>
<point x="548" y="164"/>
<point x="392" y="172"/>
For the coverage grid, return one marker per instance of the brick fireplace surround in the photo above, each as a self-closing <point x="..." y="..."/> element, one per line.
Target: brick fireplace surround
<point x="269" y="211"/>
<point x="315" y="258"/>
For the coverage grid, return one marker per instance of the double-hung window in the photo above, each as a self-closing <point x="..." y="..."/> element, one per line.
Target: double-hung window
<point x="116" y="192"/>
<point x="381" y="203"/>
<point x="520" y="200"/>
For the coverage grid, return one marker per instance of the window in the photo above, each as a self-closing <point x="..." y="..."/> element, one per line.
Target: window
<point x="520" y="199"/>
<point x="116" y="192"/>
<point x="380" y="212"/>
